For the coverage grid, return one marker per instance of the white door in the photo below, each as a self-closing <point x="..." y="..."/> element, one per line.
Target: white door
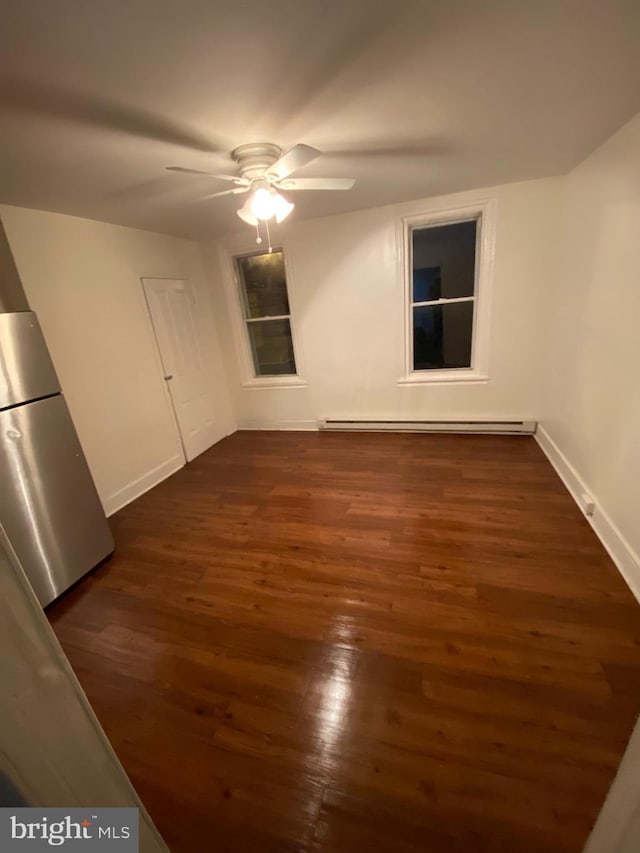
<point x="173" y="314"/>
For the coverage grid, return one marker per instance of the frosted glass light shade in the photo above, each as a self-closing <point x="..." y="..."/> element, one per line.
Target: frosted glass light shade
<point x="262" y="204"/>
<point x="282" y="207"/>
<point x="246" y="214"/>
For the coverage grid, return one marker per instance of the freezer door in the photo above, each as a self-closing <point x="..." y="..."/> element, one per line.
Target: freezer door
<point x="49" y="506"/>
<point x="26" y="369"/>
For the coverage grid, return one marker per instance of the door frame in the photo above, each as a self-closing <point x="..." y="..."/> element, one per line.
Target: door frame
<point x="158" y="355"/>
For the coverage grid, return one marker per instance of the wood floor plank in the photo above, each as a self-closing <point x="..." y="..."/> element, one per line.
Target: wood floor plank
<point x="331" y="642"/>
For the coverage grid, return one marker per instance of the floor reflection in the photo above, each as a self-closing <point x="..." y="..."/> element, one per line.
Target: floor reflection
<point x="336" y="689"/>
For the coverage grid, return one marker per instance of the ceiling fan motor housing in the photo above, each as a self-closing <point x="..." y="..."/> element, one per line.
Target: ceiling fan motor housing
<point x="255" y="158"/>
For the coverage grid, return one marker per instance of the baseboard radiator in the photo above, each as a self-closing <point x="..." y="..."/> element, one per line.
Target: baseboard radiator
<point x="473" y="427"/>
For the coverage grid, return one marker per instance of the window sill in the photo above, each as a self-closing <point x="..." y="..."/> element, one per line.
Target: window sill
<point x="429" y="377"/>
<point x="274" y="383"/>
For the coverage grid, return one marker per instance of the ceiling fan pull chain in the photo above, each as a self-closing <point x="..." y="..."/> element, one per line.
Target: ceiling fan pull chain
<point x="258" y="237"/>
<point x="269" y="236"/>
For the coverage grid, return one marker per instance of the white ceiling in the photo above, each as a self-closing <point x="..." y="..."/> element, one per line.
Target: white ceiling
<point x="410" y="98"/>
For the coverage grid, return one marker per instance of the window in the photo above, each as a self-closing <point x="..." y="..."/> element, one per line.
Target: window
<point x="443" y="261"/>
<point x="445" y="264"/>
<point x="263" y="290"/>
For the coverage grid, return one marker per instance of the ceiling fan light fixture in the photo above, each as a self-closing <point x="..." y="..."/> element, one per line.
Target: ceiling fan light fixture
<point x="263" y="203"/>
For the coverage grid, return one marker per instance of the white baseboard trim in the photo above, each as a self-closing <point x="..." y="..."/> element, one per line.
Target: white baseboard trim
<point x="293" y="426"/>
<point x="138" y="487"/>
<point x="620" y="551"/>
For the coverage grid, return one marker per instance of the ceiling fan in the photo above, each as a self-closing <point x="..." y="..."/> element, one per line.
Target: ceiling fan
<point x="264" y="171"/>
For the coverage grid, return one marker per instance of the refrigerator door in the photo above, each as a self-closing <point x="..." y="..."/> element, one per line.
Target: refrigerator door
<point x="54" y="752"/>
<point x="26" y="370"/>
<point x="49" y="506"/>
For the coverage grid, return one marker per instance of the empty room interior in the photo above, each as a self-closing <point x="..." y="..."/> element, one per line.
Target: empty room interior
<point x="319" y="431"/>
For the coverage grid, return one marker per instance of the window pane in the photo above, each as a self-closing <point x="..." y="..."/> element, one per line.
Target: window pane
<point x="427" y="284"/>
<point x="272" y="348"/>
<point x="444" y="259"/>
<point x="442" y="336"/>
<point x="264" y="285"/>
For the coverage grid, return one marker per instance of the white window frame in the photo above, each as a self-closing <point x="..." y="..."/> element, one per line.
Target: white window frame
<point x="239" y="321"/>
<point x="484" y="213"/>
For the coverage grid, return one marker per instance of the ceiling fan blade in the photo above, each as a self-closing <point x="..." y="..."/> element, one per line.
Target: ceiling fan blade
<point x="233" y="178"/>
<point x="41" y="99"/>
<point x="315" y="183"/>
<point x="296" y="157"/>
<point x="435" y="148"/>
<point x="235" y="191"/>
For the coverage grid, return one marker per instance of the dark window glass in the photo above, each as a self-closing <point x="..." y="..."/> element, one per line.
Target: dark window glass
<point x="442" y="336"/>
<point x="272" y="347"/>
<point x="444" y="260"/>
<point x="264" y="285"/>
<point x="427" y="284"/>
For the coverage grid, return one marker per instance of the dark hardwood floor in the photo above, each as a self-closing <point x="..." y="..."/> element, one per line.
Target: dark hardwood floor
<point x="344" y="642"/>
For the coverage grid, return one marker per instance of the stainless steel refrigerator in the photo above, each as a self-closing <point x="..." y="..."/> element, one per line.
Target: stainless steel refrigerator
<point x="49" y="506"/>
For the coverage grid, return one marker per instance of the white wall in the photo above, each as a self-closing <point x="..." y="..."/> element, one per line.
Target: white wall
<point x="347" y="300"/>
<point x="591" y="411"/>
<point x="83" y="280"/>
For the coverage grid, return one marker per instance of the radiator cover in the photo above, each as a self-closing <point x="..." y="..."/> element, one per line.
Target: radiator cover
<point x="478" y="427"/>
